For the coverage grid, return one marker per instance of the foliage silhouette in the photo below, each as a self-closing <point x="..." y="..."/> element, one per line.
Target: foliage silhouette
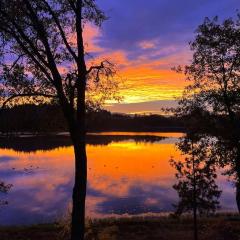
<point x="210" y="104"/>
<point x="196" y="175"/>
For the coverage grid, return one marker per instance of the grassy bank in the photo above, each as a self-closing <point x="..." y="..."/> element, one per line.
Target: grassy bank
<point x="224" y="227"/>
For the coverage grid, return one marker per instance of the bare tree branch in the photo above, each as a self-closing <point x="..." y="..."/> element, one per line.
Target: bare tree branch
<point x="99" y="67"/>
<point x="30" y="54"/>
<point x="25" y="38"/>
<point x="61" y="31"/>
<point x="15" y="62"/>
<point x="71" y="3"/>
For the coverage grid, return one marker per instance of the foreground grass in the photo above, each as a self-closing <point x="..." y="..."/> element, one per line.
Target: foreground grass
<point x="224" y="227"/>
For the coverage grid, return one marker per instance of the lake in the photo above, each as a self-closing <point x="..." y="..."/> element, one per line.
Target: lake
<point x="128" y="174"/>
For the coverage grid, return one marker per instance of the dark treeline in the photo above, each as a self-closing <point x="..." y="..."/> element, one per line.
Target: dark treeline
<point x="49" y="118"/>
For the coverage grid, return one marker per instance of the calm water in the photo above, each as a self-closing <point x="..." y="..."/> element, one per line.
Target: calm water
<point x="129" y="174"/>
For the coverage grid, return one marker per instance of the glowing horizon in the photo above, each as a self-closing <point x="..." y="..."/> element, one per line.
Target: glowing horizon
<point x="145" y="53"/>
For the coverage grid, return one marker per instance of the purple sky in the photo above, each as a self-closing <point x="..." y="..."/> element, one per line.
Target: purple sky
<point x="155" y="32"/>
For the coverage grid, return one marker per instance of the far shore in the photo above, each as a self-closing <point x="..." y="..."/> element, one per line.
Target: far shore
<point x="112" y="132"/>
<point x="31" y="142"/>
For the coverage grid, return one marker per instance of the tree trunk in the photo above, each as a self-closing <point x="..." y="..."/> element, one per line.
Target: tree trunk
<point x="195" y="223"/>
<point x="235" y="140"/>
<point x="238" y="178"/>
<point x="79" y="191"/>
<point x="80" y="186"/>
<point x="238" y="194"/>
<point x="237" y="171"/>
<point x="194" y="197"/>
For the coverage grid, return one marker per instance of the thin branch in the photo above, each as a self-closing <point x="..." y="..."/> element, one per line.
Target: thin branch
<point x="25" y="38"/>
<point x="71" y="3"/>
<point x="38" y="26"/>
<point x="26" y="50"/>
<point x="99" y="67"/>
<point x="232" y="66"/>
<point x="80" y="46"/>
<point x="15" y="62"/>
<point x="61" y="31"/>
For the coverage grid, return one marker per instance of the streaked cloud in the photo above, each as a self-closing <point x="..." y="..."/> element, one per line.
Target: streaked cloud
<point x="154" y="107"/>
<point x="148" y="44"/>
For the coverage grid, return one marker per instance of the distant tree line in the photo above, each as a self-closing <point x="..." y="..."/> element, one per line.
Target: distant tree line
<point x="49" y="118"/>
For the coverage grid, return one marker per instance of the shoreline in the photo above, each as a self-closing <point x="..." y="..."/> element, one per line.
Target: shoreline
<point x="218" y="226"/>
<point x="91" y="133"/>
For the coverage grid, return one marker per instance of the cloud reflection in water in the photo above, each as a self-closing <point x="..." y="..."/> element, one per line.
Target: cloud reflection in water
<point x="126" y="176"/>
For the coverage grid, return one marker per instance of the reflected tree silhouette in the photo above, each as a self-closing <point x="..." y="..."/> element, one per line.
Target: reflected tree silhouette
<point x="196" y="174"/>
<point x="210" y="104"/>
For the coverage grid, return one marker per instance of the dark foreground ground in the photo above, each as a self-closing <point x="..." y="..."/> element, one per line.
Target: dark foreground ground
<point x="225" y="227"/>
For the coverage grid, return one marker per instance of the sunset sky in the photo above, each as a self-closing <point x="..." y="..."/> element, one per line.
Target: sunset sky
<point x="145" y="39"/>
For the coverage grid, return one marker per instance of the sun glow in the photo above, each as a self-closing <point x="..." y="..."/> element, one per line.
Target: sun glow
<point x="144" y="79"/>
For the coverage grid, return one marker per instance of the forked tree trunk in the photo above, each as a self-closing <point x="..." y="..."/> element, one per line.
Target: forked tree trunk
<point x="79" y="191"/>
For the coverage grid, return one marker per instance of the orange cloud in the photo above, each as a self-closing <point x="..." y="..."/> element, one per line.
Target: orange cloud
<point x="90" y="35"/>
<point x="147" y="44"/>
<point x="147" y="77"/>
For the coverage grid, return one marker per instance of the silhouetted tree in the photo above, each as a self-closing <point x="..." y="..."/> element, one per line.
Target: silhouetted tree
<point x="213" y="94"/>
<point x="196" y="187"/>
<point x="42" y="55"/>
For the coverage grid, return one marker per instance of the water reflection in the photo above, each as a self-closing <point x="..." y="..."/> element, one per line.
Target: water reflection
<point x="29" y="143"/>
<point x="128" y="174"/>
